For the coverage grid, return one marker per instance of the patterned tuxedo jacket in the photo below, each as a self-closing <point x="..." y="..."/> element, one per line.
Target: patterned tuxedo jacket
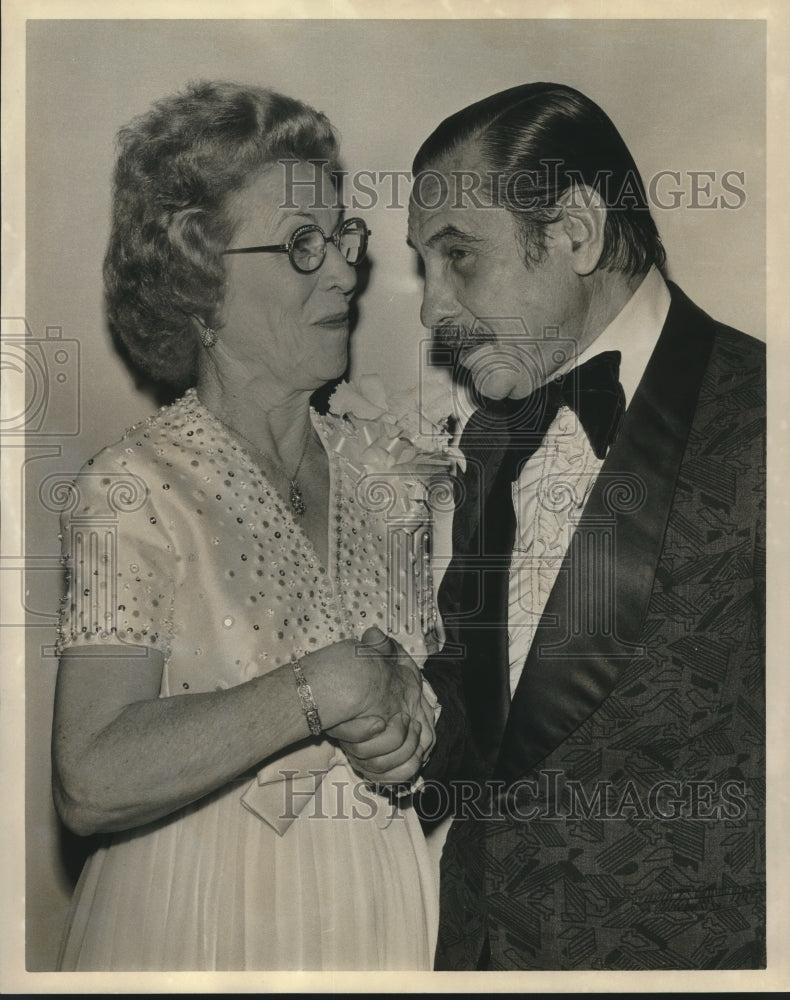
<point x="611" y="814"/>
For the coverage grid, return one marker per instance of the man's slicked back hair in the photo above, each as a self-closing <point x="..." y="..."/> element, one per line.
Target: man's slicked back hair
<point x="542" y="139"/>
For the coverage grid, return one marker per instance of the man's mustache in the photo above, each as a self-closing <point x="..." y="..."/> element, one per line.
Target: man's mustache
<point x="461" y="337"/>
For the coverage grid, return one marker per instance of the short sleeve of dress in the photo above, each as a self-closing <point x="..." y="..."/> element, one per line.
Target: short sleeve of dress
<point x="118" y="561"/>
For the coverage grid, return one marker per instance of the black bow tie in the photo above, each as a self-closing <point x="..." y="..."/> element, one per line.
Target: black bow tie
<point x="592" y="391"/>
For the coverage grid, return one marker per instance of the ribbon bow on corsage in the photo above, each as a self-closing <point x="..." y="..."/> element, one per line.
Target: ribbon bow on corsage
<point x="391" y="433"/>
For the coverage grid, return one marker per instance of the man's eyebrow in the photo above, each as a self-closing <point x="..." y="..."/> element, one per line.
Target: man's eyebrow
<point x="446" y="232"/>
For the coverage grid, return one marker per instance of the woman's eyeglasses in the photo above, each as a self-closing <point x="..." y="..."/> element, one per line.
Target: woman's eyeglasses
<point x="306" y="249"/>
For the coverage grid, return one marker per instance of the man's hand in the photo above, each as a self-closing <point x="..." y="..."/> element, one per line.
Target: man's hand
<point x="393" y="752"/>
<point x="393" y="756"/>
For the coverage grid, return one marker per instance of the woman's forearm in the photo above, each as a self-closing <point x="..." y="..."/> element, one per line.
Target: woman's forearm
<point x="124" y="756"/>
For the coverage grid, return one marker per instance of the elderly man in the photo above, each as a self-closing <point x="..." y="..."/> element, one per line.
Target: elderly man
<point x="602" y="678"/>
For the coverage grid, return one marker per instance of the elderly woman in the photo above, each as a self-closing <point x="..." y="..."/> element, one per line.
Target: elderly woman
<point x="221" y="637"/>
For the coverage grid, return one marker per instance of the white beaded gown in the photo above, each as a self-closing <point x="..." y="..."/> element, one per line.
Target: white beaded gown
<point x="174" y="540"/>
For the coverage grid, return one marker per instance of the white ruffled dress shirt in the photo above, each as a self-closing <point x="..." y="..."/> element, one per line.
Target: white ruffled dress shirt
<point x="550" y="494"/>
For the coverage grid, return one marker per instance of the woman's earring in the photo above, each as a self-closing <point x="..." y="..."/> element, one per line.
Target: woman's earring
<point x="208" y="336"/>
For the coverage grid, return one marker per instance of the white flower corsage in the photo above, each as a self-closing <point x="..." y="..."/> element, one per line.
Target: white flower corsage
<point x="391" y="432"/>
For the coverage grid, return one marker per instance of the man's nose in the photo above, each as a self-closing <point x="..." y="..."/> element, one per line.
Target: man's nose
<point x="439" y="304"/>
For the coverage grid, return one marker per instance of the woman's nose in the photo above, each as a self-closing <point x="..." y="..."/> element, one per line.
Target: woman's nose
<point x="337" y="270"/>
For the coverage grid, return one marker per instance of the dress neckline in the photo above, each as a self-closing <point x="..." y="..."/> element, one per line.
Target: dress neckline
<point x="330" y="571"/>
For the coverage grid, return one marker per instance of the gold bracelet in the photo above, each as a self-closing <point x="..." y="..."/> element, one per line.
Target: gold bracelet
<point x="305" y="693"/>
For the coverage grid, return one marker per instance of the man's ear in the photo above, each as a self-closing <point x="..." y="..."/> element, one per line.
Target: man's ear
<point x="583" y="221"/>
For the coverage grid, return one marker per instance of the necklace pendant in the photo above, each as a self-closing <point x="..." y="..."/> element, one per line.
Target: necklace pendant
<point x="296" y="498"/>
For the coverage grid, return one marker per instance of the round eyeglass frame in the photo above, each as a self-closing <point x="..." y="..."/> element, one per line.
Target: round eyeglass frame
<point x="335" y="238"/>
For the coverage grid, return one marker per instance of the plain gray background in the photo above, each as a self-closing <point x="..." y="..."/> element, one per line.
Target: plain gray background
<point x="686" y="96"/>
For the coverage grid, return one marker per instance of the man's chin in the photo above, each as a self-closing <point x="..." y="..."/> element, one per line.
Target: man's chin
<point x="499" y="382"/>
<point x="498" y="373"/>
<point x="492" y="375"/>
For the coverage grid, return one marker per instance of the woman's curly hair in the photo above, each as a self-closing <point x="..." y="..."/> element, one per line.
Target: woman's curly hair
<point x="177" y="166"/>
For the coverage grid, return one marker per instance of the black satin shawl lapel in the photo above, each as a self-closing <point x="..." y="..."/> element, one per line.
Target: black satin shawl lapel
<point x="473" y="597"/>
<point x="569" y="672"/>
